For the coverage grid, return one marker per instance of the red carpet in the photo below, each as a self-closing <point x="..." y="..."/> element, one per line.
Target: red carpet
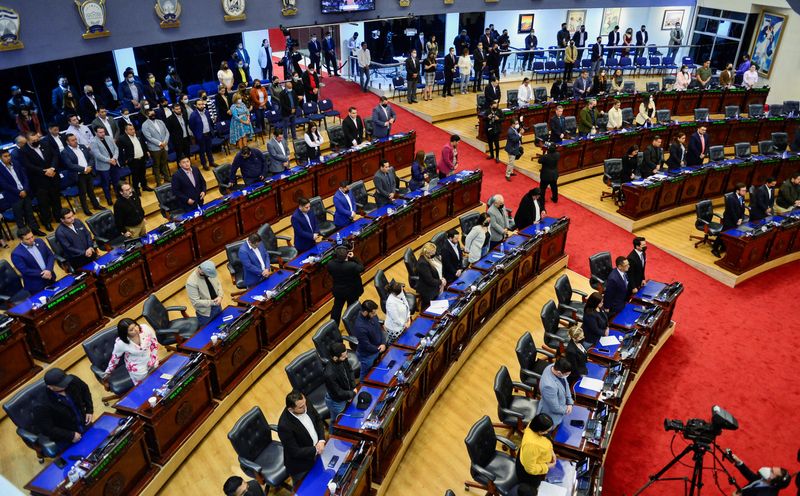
<point x="727" y="348"/>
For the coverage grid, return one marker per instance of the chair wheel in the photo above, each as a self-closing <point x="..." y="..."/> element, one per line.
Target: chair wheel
<point x="41" y="461"/>
<point x="105" y="403"/>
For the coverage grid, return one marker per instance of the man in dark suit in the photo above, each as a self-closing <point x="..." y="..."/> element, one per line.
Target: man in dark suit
<point x="34" y="261"/>
<point x="179" y="132"/>
<point x="329" y="51"/>
<point x="15" y="190"/>
<point x="383" y="116"/>
<point x="55" y="141"/>
<point x="255" y="260"/>
<point x="579" y="38"/>
<point x="311" y="84"/>
<point x="461" y="42"/>
<point x="412" y="76"/>
<point x="492" y="93"/>
<point x="732" y="217"/>
<point x="641" y="40"/>
<point x="302" y="435"/>
<point x="80" y="161"/>
<point x="616" y="293"/>
<point x="202" y="128"/>
<point x="345" y="270"/>
<point x="562" y="38"/>
<point x="479" y="64"/>
<point x="558" y="126"/>
<point x="353" y="128"/>
<point x="133" y="155"/>
<point x="57" y="95"/>
<point x="450" y="68"/>
<point x="289" y="105"/>
<point x="41" y="167"/>
<point x="613" y="38"/>
<point x="763" y="199"/>
<point x="638" y="263"/>
<point x="452" y="257"/>
<point x="768" y="481"/>
<point x="597" y="55"/>
<point x="653" y="158"/>
<point x="531" y="42"/>
<point x="486" y="39"/>
<point x="75" y="240"/>
<point x="385" y="181"/>
<point x="152" y="89"/>
<point x="65" y="410"/>
<point x="698" y="147"/>
<point x="131" y="92"/>
<point x="188" y="185"/>
<point x="314" y="51"/>
<point x="304" y="224"/>
<point x="344" y="204"/>
<point x="88" y="105"/>
<point x="252" y="164"/>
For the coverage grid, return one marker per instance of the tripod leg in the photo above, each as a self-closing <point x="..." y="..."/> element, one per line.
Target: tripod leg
<point x="657" y="476"/>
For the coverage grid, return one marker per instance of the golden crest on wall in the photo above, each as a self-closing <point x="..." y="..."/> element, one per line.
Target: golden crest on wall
<point x="449" y="2"/>
<point x="9" y="30"/>
<point x="405" y="3"/>
<point x="93" y="15"/>
<point x="234" y="10"/>
<point x="289" y="7"/>
<point x="169" y="11"/>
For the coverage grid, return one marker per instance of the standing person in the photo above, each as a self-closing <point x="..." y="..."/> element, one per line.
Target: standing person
<point x="133" y="154"/>
<point x="201" y="125"/>
<point x="493" y="61"/>
<point x="364" y="59"/>
<point x="570" y="56"/>
<point x="173" y="83"/>
<point x="430" y="283"/>
<point x="304" y="224"/>
<point x="252" y="163"/>
<point x="340" y="386"/>
<point x="344" y="204"/>
<point x="385" y="181"/>
<point x="450" y="71"/>
<point x="311" y="85"/>
<point x="531" y="209"/>
<point x="101" y="119"/>
<point x="599" y="83"/>
<point x="106" y="159"/>
<point x="494" y="125"/>
<point x="762" y="200"/>
<point x="352" y="45"/>
<point x="637" y="260"/>
<point x="314" y="141"/>
<point x="278" y="152"/>
<point x="500" y="226"/>
<point x="789" y="194"/>
<point x="236" y="486"/>
<point x="398" y="313"/>
<point x="41" y="161"/>
<point x="205" y="292"/>
<point x="477" y="242"/>
<point x="525" y="93"/>
<point x="345" y="270"/>
<point x="15" y="191"/>
<point x="549" y="172"/>
<point x="630" y="163"/>
<point x="647" y="111"/>
<point x="513" y="147"/>
<point x="556" y="396"/>
<point x="675" y="40"/>
<point x="302" y="434"/>
<point x="137" y="346"/>
<point x="682" y="79"/>
<point x="677" y="152"/>
<point x="188" y="185"/>
<point x="429" y="67"/>
<point x="479" y="58"/>
<point x="505" y="44"/>
<point x="314" y="51"/>
<point x="75" y="240"/>
<point x="595" y="320"/>
<point x="732" y="216"/>
<point x="750" y="77"/>
<point x="653" y="158"/>
<point x="129" y="214"/>
<point x="726" y="77"/>
<point x="562" y="38"/>
<point x="531" y="42"/>
<point x="255" y="261"/>
<point x="449" y="161"/>
<point x="369" y="333"/>
<point x="617" y="288"/>
<point x="265" y="59"/>
<point x="535" y="456"/>
<point x="259" y="98"/>
<point x="641" y="40"/>
<point x="627" y="40"/>
<point x="78" y="159"/>
<point x="615" y="116"/>
<point x="579" y="38"/>
<point x="558" y="126"/>
<point x="698" y="147"/>
<point x="353" y="128"/>
<point x="157" y="137"/>
<point x="576" y="352"/>
<point x="383" y="116"/>
<point x="329" y="51"/>
<point x="241" y="127"/>
<point x="703" y="74"/>
<point x="452" y="257"/>
<point x="583" y="86"/>
<point x="492" y="94"/>
<point x="431" y="47"/>
<point x="65" y="410"/>
<point x="412" y="76"/>
<point x="613" y="40"/>
<point x="597" y="55"/>
<point x="34" y="261"/>
<point x="289" y="106"/>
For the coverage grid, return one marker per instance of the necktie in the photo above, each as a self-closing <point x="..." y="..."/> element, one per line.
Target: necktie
<point x="702" y="144"/>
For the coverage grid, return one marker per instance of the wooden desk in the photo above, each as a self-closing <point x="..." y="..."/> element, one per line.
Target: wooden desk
<point x="314" y="264"/>
<point x="177" y="414"/>
<point x="231" y="359"/>
<point x="126" y="470"/>
<point x="400" y="226"/>
<point x="712" y="100"/>
<point x="365" y="163"/>
<point x="484" y="293"/>
<point x="772" y="125"/>
<point x="285" y="310"/>
<point x="650" y="294"/>
<point x="568" y="440"/>
<point x="16" y="363"/>
<point x="742" y="252"/>
<point x="365" y="235"/>
<point x="756" y="96"/>
<point x="466" y="190"/>
<point x="733" y="96"/>
<point x="71" y="313"/>
<point x="439" y="360"/>
<point x="597" y="150"/>
<point x="688" y="101"/>
<point x="788" y="167"/>
<point x="693" y="185"/>
<point x="298" y="183"/>
<point x="338" y="451"/>
<point x="257" y="207"/>
<point x="571" y="155"/>
<point x="330" y="173"/>
<point x="216" y="227"/>
<point x="670" y="192"/>
<point x="400" y="151"/>
<point x="507" y="270"/>
<point x="121" y="279"/>
<point x="384" y="375"/>
<point x="741" y="130"/>
<point x="630" y="320"/>
<point x="433" y="208"/>
<point x="170" y="255"/>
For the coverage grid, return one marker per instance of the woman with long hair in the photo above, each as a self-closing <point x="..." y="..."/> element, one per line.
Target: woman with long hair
<point x="418" y="174"/>
<point x="137" y="346"/>
<point x="429" y="269"/>
<point x="314" y="141"/>
<point x="241" y="127"/>
<point x="429" y="67"/>
<point x="477" y="242"/>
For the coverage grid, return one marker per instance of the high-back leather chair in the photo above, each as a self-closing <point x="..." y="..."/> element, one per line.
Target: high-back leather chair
<point x="336" y="137"/>
<point x="362" y="197"/>
<point x="530" y="366"/>
<point x="612" y="177"/>
<point x="380" y="281"/>
<point x="627" y="115"/>
<point x="629" y="87"/>
<point x="480" y="101"/>
<point x="663" y="116"/>
<point x="327" y="334"/>
<point x="566" y="305"/>
<point x="780" y="141"/>
<point x="307" y="375"/>
<point x="105" y="230"/>
<point x="704" y="222"/>
<point x="466" y="222"/>
<point x="540" y="94"/>
<point x="98" y="349"/>
<point x="438" y="239"/>
<point x="512" y="98"/>
<point x="492" y="470"/>
<point x="167" y="202"/>
<point x="223" y="175"/>
<point x="742" y="149"/>
<point x="514" y="411"/>
<point x="716" y="153"/>
<point x="765" y="147"/>
<point x="349" y="317"/>
<point x="755" y="110"/>
<point x="260" y="456"/>
<point x="600" y="266"/>
<point x="300" y="151"/>
<point x="555" y="335"/>
<point x="235" y="264"/>
<point x="540" y="131"/>
<point x="277" y="254"/>
<point x="20" y="409"/>
<point x="776" y="110"/>
<point x="430" y="163"/>
<point x="701" y="114"/>
<point x="168" y="331"/>
<point x="667" y="81"/>
<point x="731" y="111"/>
<point x="602" y="122"/>
<point x="570" y="124"/>
<point x="325" y="226"/>
<point x="11" y="290"/>
<point x="791" y="106"/>
<point x="651" y="87"/>
<point x="58" y="252"/>
<point x="410" y="261"/>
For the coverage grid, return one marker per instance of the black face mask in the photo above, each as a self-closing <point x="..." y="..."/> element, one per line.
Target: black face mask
<point x="34" y="144"/>
<point x="89" y="93"/>
<point x="486" y="224"/>
<point x="643" y="249"/>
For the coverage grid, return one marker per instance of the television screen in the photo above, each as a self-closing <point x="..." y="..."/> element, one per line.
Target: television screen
<point x="344" y="6"/>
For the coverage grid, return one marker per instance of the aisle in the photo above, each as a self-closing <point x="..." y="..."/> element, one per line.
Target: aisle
<point x="722" y="347"/>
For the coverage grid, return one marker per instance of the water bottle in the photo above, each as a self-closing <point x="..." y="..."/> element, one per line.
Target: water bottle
<point x="338" y="239"/>
<point x="502" y="247"/>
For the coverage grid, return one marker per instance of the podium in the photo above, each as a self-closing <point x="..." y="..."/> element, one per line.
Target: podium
<point x="298" y="183"/>
<point x="169" y="255"/>
<point x="258" y="206"/>
<point x="569" y="440"/>
<point x="285" y="310"/>
<point x="121" y="279"/>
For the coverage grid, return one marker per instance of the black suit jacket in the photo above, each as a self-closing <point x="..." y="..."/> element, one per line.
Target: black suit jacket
<point x="353" y="131"/>
<point x="577" y="358"/>
<point x="636" y="273"/>
<point x="613" y="38"/>
<point x="526" y="212"/>
<point x="479" y="57"/>
<point x="53" y="416"/>
<point x="87" y="110"/>
<point x="653" y="157"/>
<point x="594" y="326"/>
<point x="412" y="67"/>
<point x="452" y="261"/>
<point x="734" y="211"/>
<point x="752" y="477"/>
<point x="491" y="94"/>
<point x="597" y="52"/>
<point x="428" y="283"/>
<point x="674" y="160"/>
<point x="299" y="453"/>
<point x="174" y="127"/>
<point x="286" y="100"/>
<point x="616" y="293"/>
<point x="126" y="147"/>
<point x="693" y="150"/>
<point x="449" y="64"/>
<point x="557" y="128"/>
<point x="35" y="165"/>
<point x="346" y="278"/>
<point x="549" y="171"/>
<point x="763" y="198"/>
<point x="184" y="190"/>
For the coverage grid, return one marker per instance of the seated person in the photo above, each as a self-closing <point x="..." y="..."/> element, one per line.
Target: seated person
<point x="34" y="260"/>
<point x="344" y="204"/>
<point x="236" y="486"/>
<point x="137" y="345"/>
<point x="535" y="456"/>
<point x="255" y="260"/>
<point x="398" y="313"/>
<point x="340" y="385"/>
<point x="385" y="184"/>
<point x="595" y="320"/>
<point x="304" y="223"/>
<point x="302" y="434"/>
<point x="65" y="411"/>
<point x="75" y="240"/>
<point x="768" y="481"/>
<point x="617" y="292"/>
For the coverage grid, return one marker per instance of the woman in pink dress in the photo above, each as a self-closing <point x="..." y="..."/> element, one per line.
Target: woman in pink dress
<point x="137" y="346"/>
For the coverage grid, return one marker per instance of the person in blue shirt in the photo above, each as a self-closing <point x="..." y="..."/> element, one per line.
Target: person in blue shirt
<point x="370" y="335"/>
<point x="255" y="260"/>
<point x="304" y="223"/>
<point x="344" y="204"/>
<point x="34" y="260"/>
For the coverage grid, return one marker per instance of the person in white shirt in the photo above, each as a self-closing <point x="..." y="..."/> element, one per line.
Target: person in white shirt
<point x="524" y="93"/>
<point x="364" y="60"/>
<point x="302" y="434"/>
<point x="225" y="75"/>
<point x="615" y="116"/>
<point x="750" y="78"/>
<point x="398" y="312"/>
<point x="464" y="70"/>
<point x="137" y="346"/>
<point x="682" y="79"/>
<point x="80" y="131"/>
<point x="265" y="60"/>
<point x="314" y="141"/>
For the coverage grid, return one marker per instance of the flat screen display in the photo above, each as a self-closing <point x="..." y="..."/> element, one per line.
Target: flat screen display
<point x="344" y="6"/>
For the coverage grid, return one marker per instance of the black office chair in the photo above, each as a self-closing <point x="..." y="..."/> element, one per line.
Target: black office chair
<point x="780" y="141"/>
<point x="380" y="281"/>
<point x="600" y="266"/>
<point x="362" y="197"/>
<point x="602" y="122"/>
<point x="369" y="128"/>
<point x="168" y="332"/>
<point x="663" y="116"/>
<point x="530" y="366"/>
<point x="20" y="410"/>
<point x="235" y="264"/>
<point x="327" y="334"/>
<point x="540" y="94"/>
<point x="731" y="111"/>
<point x="430" y="163"/>
<point x="492" y="470"/>
<point x="260" y="456"/>
<point x="570" y="124"/>
<point x="701" y="114"/>
<point x="466" y="222"/>
<point x="11" y="291"/>
<point x="716" y="153"/>
<point x="167" y="202"/>
<point x="325" y="226"/>
<point x="512" y="98"/>
<point x="566" y="305"/>
<point x="410" y="261"/>
<point x="791" y="107"/>
<point x="555" y="335"/>
<point x="514" y="411"/>
<point x="105" y="230"/>
<point x="349" y="318"/>
<point x="98" y="349"/>
<point x="667" y="81"/>
<point x="766" y="147"/>
<point x="776" y="110"/>
<point x="627" y="116"/>
<point x="277" y="254"/>
<point x="705" y="223"/>
<point x="480" y="102"/>
<point x="307" y="375"/>
<point x="651" y="87"/>
<point x="336" y="137"/>
<point x="540" y="131"/>
<point x="629" y="87"/>
<point x="223" y="175"/>
<point x="742" y="150"/>
<point x="449" y="492"/>
<point x="612" y="177"/>
<point x="300" y="151"/>
<point x="438" y="239"/>
<point x="58" y="252"/>
<point x="755" y="110"/>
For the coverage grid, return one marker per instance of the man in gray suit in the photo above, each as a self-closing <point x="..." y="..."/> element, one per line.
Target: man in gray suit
<point x="156" y="136"/>
<point x="278" y="153"/>
<point x="102" y="119"/>
<point x="675" y="40"/>
<point x="383" y="117"/>
<point x="106" y="162"/>
<point x="556" y="395"/>
<point x="500" y="223"/>
<point x="385" y="184"/>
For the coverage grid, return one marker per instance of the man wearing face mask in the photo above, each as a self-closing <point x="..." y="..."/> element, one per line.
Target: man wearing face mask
<point x="412" y="76"/>
<point x="130" y="92"/>
<point x="108" y="95"/>
<point x="156" y="135"/>
<point x="329" y="50"/>
<point x="383" y="116"/>
<point x="152" y="89"/>
<point x="638" y="264"/>
<point x="88" y="104"/>
<point x="236" y="486"/>
<point x="173" y="83"/>
<point x="556" y="394"/>
<point x="311" y="84"/>
<point x="205" y="292"/>
<point x="40" y="161"/>
<point x="57" y="97"/>
<point x="314" y="51"/>
<point x="768" y="481"/>
<point x="494" y="125"/>
<point x="128" y="213"/>
<point x="241" y="55"/>
<point x="202" y="126"/>
<point x="265" y="59"/>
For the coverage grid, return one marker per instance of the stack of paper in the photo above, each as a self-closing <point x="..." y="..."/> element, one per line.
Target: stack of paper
<point x="547" y="489"/>
<point x="609" y="341"/>
<point x="438" y="307"/>
<point x="591" y="384"/>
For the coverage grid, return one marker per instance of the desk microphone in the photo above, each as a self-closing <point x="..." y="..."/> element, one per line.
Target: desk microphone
<point x="603" y="350"/>
<point x="419" y="335"/>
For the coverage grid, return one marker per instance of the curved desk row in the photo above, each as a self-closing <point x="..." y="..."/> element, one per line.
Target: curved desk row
<point x="679" y="103"/>
<point x="768" y="242"/>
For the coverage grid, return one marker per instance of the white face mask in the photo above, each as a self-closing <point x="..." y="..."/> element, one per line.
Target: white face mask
<point x="765" y="472"/>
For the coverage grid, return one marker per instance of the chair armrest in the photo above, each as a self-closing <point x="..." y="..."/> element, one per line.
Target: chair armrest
<point x="350" y="339"/>
<point x="249" y="464"/>
<point x="483" y="472"/>
<point x="529" y="373"/>
<point x="273" y="253"/>
<point x="506" y="442"/>
<point x="718" y="216"/>
<point x="568" y="307"/>
<point x="703" y="221"/>
<point x="568" y="320"/>
<point x="230" y="268"/>
<point x="29" y="437"/>
<point x="545" y="353"/>
<point x="405" y="181"/>
<point x="579" y="292"/>
<point x="284" y="238"/>
<point x="180" y="309"/>
<point x="522" y="387"/>
<point x="506" y="411"/>
<point x="329" y="211"/>
<point x="273" y="427"/>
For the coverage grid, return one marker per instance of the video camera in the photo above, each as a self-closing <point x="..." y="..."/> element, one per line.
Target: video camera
<point x="702" y="431"/>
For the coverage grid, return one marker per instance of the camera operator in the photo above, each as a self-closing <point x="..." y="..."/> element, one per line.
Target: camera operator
<point x="768" y="481"/>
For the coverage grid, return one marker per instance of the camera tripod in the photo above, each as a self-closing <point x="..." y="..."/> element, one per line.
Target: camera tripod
<point x="693" y="485"/>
